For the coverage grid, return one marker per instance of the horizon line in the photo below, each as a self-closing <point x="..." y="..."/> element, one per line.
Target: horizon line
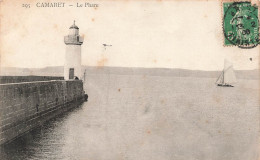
<point x="100" y="67"/>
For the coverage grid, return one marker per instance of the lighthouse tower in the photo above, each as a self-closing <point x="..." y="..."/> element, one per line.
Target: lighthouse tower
<point x="73" y="41"/>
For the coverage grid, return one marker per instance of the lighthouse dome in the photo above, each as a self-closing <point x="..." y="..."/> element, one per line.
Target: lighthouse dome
<point x="74" y="26"/>
<point x="74" y="30"/>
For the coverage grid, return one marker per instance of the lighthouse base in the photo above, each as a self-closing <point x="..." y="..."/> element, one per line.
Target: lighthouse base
<point x="72" y="67"/>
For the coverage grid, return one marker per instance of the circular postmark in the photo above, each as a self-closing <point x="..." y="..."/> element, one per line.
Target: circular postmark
<point x="240" y="25"/>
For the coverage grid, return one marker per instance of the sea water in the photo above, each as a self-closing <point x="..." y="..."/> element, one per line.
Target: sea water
<point x="147" y="118"/>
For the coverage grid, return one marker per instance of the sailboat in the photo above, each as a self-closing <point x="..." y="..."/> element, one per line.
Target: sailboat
<point x="227" y="76"/>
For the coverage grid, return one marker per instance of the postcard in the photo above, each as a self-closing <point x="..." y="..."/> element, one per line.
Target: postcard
<point x="129" y="79"/>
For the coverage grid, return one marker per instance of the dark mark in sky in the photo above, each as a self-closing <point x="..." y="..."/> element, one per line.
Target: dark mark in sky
<point x="107" y="45"/>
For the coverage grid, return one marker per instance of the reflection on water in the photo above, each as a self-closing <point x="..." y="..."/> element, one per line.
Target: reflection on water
<point x="43" y="142"/>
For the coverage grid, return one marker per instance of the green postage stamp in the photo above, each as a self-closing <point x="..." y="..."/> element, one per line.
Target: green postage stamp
<point x="240" y="24"/>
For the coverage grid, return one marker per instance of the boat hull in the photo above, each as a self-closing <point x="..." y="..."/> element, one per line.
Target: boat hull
<point x="225" y="85"/>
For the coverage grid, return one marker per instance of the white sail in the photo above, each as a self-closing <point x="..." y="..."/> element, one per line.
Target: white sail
<point x="220" y="79"/>
<point x="229" y="75"/>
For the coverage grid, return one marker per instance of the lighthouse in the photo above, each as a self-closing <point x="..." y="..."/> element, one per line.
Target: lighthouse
<point x="73" y="41"/>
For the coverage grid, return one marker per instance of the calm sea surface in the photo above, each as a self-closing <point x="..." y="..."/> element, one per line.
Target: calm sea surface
<point x="136" y="117"/>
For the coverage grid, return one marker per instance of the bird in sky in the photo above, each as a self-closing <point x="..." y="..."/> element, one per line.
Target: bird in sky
<point x="107" y="45"/>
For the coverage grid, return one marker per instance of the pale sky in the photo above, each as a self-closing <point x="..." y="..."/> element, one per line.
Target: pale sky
<point x="164" y="34"/>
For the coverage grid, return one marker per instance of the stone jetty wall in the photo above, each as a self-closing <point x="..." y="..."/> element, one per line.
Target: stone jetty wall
<point x="19" y="79"/>
<point x="26" y="105"/>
